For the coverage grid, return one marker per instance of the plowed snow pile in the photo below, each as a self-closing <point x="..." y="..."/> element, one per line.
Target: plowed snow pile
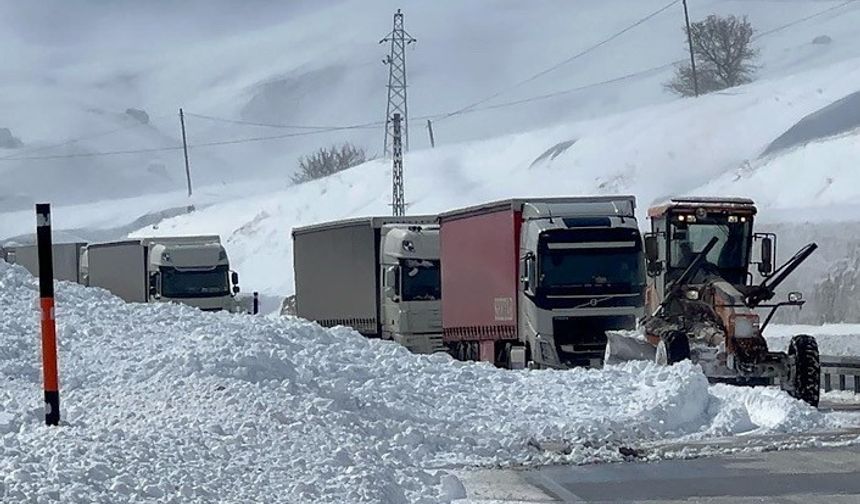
<point x="166" y="403"/>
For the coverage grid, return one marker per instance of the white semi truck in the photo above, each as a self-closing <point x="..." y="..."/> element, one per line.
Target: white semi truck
<point x="378" y="275"/>
<point x="192" y="270"/>
<point x="66" y="259"/>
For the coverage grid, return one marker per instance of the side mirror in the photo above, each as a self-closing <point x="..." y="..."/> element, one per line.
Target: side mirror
<point x="765" y="267"/>
<point x="652" y="255"/>
<point x="234" y="278"/>
<point x="392" y="282"/>
<point x="527" y="273"/>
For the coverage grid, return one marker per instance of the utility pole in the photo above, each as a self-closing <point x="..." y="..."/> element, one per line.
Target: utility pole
<point x="692" y="56"/>
<point x="430" y="129"/>
<point x="398" y="199"/>
<point x="185" y="150"/>
<point x="396" y="61"/>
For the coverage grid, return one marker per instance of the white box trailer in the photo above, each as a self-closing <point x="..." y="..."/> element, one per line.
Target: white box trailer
<point x="192" y="270"/>
<point x="343" y="270"/>
<point x="67" y="257"/>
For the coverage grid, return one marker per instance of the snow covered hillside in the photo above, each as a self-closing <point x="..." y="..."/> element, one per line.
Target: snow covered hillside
<point x="682" y="147"/>
<point x="167" y="403"/>
<point x="89" y="78"/>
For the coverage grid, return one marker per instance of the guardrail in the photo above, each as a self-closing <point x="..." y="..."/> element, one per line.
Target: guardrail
<point x="840" y="373"/>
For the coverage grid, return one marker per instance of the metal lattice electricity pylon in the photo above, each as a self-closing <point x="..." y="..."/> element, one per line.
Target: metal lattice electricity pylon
<point x="396" y="61"/>
<point x="398" y="198"/>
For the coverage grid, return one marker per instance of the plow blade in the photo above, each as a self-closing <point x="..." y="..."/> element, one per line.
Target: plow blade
<point x="623" y="346"/>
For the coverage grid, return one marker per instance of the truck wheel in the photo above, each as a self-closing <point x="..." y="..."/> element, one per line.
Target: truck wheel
<point x="673" y="347"/>
<point x="806" y="375"/>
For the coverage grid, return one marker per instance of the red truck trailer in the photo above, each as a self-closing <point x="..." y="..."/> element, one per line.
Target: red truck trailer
<point x="539" y="281"/>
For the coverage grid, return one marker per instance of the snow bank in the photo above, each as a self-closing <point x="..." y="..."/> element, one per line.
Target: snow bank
<point x="833" y="339"/>
<point x="163" y="402"/>
<point x="841" y="116"/>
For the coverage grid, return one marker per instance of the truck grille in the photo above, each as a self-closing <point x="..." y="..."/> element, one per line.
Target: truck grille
<point x="580" y="339"/>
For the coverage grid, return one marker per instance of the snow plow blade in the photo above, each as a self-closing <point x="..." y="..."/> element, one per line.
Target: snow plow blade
<point x="623" y="346"/>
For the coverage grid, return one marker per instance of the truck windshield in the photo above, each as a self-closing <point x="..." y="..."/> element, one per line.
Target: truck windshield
<point x="587" y="267"/>
<point x="421" y="280"/>
<point x="195" y="284"/>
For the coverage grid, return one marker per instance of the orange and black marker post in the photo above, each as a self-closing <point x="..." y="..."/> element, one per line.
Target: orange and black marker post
<point x="49" y="328"/>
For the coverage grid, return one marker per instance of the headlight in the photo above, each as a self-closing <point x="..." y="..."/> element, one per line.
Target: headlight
<point x="408" y="246"/>
<point x="692" y="294"/>
<point x="165" y="257"/>
<point x="746" y="327"/>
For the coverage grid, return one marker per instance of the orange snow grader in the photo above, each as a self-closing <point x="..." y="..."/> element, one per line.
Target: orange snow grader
<point x="701" y="301"/>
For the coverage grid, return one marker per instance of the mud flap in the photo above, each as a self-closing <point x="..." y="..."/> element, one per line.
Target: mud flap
<point x="623" y="346"/>
<point x="487" y="351"/>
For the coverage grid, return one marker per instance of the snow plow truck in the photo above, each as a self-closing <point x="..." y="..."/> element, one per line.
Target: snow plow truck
<point x="701" y="299"/>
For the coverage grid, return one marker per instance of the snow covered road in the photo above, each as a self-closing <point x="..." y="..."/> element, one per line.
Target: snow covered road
<point x="166" y="403"/>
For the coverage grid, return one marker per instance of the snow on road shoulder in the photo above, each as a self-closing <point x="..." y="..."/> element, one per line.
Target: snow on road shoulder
<point x="163" y="402"/>
<point x="842" y="340"/>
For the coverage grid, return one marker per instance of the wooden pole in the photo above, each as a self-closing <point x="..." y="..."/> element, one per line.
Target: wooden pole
<point x="430" y="129"/>
<point x="692" y="56"/>
<point x="185" y="151"/>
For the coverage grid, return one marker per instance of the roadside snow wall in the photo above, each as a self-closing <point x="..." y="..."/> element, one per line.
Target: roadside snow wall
<point x="164" y="402"/>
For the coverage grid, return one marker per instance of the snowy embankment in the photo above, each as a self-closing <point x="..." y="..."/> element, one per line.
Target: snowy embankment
<point x="842" y="340"/>
<point x="165" y="402"/>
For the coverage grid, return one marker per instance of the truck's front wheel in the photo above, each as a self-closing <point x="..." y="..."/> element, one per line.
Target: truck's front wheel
<point x="806" y="374"/>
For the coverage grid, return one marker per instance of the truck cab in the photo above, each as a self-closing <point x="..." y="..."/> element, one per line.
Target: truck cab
<point x="411" y="278"/>
<point x="196" y="274"/>
<point x="191" y="270"/>
<point x="582" y="274"/>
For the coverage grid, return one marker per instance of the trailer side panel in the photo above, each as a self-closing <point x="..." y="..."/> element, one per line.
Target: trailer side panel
<point x="119" y="268"/>
<point x="336" y="276"/>
<point x="480" y="275"/>
<point x="66" y="260"/>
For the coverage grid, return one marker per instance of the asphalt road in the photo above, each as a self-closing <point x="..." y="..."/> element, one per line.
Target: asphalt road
<point x="821" y="475"/>
<point x="807" y="476"/>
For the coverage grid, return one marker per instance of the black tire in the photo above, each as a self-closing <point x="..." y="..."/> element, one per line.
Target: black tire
<point x="806" y="375"/>
<point x="677" y="346"/>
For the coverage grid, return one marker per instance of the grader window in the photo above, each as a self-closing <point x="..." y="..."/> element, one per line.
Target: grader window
<point x="730" y="255"/>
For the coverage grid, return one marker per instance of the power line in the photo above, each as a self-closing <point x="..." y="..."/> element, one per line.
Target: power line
<point x="646" y="71"/>
<point x="802" y="20"/>
<point x="80" y="139"/>
<point x="563" y="62"/>
<point x="177" y="147"/>
<point x="575" y="89"/>
<point x="282" y="126"/>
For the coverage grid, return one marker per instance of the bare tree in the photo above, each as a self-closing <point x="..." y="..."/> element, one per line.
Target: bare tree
<point x="724" y="56"/>
<point x="327" y="161"/>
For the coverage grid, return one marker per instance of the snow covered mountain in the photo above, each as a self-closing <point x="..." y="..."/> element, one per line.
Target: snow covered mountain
<point x="74" y="72"/>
